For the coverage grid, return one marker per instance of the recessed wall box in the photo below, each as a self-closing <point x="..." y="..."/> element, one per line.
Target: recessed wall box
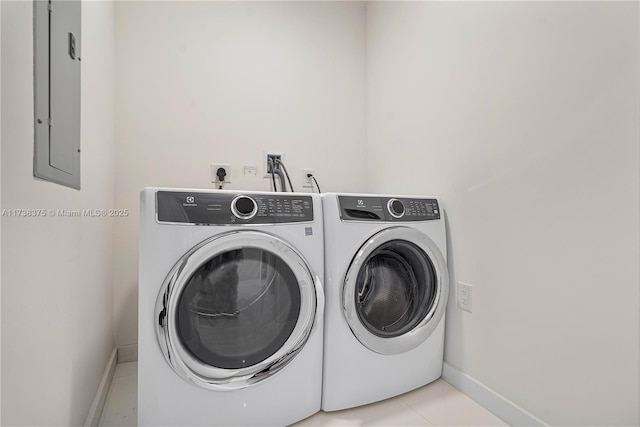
<point x="57" y="45"/>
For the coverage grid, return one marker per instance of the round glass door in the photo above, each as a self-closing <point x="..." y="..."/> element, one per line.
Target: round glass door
<point x="395" y="290"/>
<point x="236" y="309"/>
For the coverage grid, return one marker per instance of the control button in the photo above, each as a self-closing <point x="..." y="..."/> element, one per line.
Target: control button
<point x="244" y="207"/>
<point x="396" y="208"/>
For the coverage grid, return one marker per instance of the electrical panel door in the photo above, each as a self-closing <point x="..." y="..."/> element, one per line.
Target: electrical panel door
<point x="57" y="39"/>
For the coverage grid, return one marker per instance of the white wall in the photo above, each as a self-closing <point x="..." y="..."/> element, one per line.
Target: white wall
<point x="206" y="82"/>
<point x="57" y="318"/>
<point x="0" y="223"/>
<point x="523" y="118"/>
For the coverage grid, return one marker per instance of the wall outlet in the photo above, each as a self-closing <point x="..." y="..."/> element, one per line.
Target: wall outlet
<point x="274" y="155"/>
<point x="465" y="296"/>
<point x="214" y="172"/>
<point x="307" y="181"/>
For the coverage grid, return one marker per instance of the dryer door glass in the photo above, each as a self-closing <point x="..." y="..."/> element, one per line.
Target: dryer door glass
<point x="395" y="288"/>
<point x="238" y="308"/>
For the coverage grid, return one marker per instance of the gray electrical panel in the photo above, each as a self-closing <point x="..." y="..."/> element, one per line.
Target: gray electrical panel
<point x="57" y="26"/>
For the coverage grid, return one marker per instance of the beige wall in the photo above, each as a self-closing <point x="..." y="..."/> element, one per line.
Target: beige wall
<point x="206" y="82"/>
<point x="57" y="317"/>
<point x="523" y="118"/>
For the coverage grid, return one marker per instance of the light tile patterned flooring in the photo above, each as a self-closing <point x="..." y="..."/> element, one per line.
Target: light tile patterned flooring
<point x="436" y="404"/>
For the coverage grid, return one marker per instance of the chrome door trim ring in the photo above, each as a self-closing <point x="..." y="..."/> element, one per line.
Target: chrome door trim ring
<point x="392" y="212"/>
<point x="424" y="329"/>
<point x="214" y="378"/>
<point x="237" y="213"/>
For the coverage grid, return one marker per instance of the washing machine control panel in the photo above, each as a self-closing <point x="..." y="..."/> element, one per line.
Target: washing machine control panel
<point x="227" y="208"/>
<point x="354" y="208"/>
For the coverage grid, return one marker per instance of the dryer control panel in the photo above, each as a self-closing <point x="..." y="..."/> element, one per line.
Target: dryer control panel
<point x="393" y="209"/>
<point x="228" y="208"/>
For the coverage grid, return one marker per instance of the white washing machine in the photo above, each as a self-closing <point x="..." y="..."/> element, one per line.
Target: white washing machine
<point x="386" y="289"/>
<point x="230" y="308"/>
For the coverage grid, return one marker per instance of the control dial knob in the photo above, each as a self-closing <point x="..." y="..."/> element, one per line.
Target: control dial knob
<point x="395" y="208"/>
<point x="244" y="207"/>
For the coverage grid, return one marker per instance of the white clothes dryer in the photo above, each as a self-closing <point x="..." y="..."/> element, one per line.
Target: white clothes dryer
<point x="386" y="291"/>
<point x="230" y="307"/>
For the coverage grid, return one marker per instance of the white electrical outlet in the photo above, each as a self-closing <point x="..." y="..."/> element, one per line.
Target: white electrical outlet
<point x="307" y="181"/>
<point x="214" y="172"/>
<point x="465" y="296"/>
<point x="265" y="164"/>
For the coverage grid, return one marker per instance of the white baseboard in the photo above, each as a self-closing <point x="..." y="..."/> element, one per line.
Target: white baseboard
<point x="497" y="404"/>
<point x="93" y="418"/>
<point x="128" y="353"/>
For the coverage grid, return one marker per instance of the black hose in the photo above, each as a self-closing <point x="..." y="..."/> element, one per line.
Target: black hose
<point x="283" y="184"/>
<point x="273" y="177"/>
<point x="284" y="168"/>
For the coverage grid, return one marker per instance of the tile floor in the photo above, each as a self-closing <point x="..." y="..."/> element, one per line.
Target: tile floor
<point x="436" y="404"/>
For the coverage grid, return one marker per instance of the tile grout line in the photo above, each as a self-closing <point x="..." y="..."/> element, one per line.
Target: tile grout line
<point x="414" y="410"/>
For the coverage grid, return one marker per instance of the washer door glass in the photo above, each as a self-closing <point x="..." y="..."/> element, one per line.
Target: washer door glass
<point x="395" y="290"/>
<point x="236" y="309"/>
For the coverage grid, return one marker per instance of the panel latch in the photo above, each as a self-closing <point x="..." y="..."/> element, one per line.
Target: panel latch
<point x="72" y="46"/>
